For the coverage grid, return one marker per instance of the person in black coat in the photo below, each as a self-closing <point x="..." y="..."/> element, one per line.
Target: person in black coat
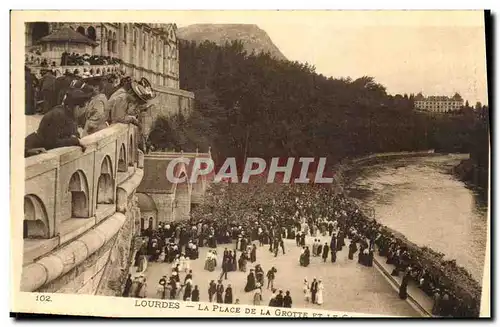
<point x="228" y="296"/>
<point x="314" y="290"/>
<point x="128" y="285"/>
<point x="279" y="299"/>
<point x="195" y="294"/>
<point x="219" y="290"/>
<point x="324" y="254"/>
<point x="58" y="128"/>
<point x="287" y="300"/>
<point x="352" y="249"/>
<point x="212" y="289"/>
<point x="187" y="292"/>
<point x="251" y="281"/>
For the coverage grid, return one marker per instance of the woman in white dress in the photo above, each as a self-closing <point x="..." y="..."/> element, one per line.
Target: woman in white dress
<point x="182" y="262"/>
<point x="161" y="258"/>
<point x="307" y="292"/>
<point x="319" y="295"/>
<point x="187" y="264"/>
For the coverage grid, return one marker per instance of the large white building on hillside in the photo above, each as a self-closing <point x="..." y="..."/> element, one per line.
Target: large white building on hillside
<point x="441" y="104"/>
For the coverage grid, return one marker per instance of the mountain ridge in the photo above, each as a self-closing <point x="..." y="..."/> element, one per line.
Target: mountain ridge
<point x="252" y="36"/>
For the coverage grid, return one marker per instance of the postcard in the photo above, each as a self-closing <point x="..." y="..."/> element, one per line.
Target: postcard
<point x="277" y="164"/>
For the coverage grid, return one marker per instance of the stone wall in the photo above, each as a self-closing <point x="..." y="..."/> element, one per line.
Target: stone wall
<point x="115" y="272"/>
<point x="73" y="241"/>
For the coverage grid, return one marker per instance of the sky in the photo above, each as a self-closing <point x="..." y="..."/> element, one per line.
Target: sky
<point x="433" y="52"/>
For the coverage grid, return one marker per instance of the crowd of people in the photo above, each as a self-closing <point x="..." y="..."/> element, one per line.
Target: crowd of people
<point x="264" y="218"/>
<point x="76" y="59"/>
<point x="75" y="107"/>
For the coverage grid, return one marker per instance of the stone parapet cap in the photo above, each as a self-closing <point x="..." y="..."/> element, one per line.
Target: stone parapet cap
<point x="40" y="164"/>
<point x="50" y="267"/>
<point x="171" y="90"/>
<point x="131" y="184"/>
<point x="52" y="159"/>
<point x="158" y="191"/>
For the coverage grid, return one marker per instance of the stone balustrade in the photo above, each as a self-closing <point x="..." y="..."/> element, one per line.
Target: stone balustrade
<point x="75" y="204"/>
<point x="78" y="70"/>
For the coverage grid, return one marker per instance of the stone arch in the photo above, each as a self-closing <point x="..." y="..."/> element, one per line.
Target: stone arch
<point x="91" y="33"/>
<point x="105" y="183"/>
<point x="35" y="224"/>
<point x="122" y="160"/>
<point x="182" y="199"/>
<point x="79" y="189"/>
<point x="148" y="209"/>
<point x="81" y="30"/>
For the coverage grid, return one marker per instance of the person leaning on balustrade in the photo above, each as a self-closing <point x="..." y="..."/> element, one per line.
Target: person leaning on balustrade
<point x="123" y="103"/>
<point x="94" y="115"/>
<point x="128" y="102"/>
<point x="58" y="128"/>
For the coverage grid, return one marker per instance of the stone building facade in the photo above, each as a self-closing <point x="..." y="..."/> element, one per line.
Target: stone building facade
<point x="440" y="104"/>
<point x="82" y="210"/>
<point x="145" y="50"/>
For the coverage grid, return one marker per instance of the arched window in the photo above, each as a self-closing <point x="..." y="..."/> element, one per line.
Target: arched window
<point x="135" y="36"/>
<point x="113" y="47"/>
<point x="122" y="162"/>
<point x="152" y="44"/>
<point x="125" y="33"/>
<point x="105" y="185"/>
<point x="91" y="33"/>
<point x="81" y="30"/>
<point x="35" y="224"/>
<point x="110" y="41"/>
<point x="144" y="41"/>
<point x="79" y="195"/>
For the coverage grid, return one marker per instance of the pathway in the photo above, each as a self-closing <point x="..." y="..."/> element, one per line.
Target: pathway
<point x="349" y="286"/>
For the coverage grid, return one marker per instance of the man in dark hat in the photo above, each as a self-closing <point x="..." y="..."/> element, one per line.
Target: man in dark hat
<point x="58" y="128"/>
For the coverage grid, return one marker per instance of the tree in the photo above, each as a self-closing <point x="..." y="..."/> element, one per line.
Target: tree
<point x="255" y="105"/>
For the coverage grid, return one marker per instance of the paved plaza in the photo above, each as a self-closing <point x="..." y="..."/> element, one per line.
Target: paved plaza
<point x="349" y="286"/>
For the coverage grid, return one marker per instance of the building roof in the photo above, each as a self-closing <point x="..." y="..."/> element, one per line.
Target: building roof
<point x="68" y="35"/>
<point x="145" y="202"/>
<point x="419" y="97"/>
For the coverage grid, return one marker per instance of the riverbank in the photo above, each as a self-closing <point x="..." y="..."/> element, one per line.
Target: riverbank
<point x="475" y="177"/>
<point x="453" y="277"/>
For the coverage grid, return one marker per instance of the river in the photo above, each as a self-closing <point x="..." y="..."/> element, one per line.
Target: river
<point x="421" y="199"/>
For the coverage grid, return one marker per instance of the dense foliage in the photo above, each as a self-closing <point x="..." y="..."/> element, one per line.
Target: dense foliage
<point x="254" y="105"/>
